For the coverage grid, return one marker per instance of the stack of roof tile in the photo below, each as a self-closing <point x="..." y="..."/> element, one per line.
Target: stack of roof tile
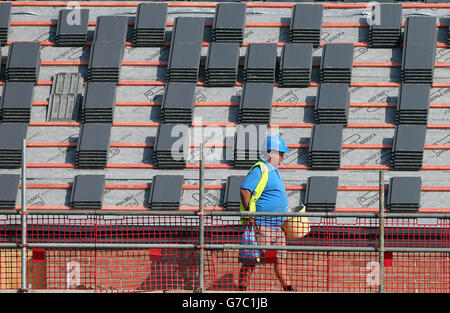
<point x="87" y="192"/>
<point x="229" y="22"/>
<point x="386" y="25"/>
<point x="222" y="64"/>
<point x="111" y="28"/>
<point x="306" y="24"/>
<point x="5" y="19"/>
<point x="407" y="148"/>
<point x="72" y="29"/>
<point x="105" y="61"/>
<point x="404" y="194"/>
<point x="166" y="192"/>
<point x="97" y="111"/>
<point x="448" y="36"/>
<point x="260" y="63"/>
<point x="332" y="103"/>
<point x="413" y="104"/>
<point x="9" y="185"/>
<point x="321" y="193"/>
<point x="150" y="25"/>
<point x="185" y="49"/>
<point x="11" y="141"/>
<point x="296" y="65"/>
<point x="325" y="146"/>
<point x="16" y="102"/>
<point x="169" y="151"/>
<point x="99" y="102"/>
<point x="256" y="103"/>
<point x="24" y="61"/>
<point x="337" y="63"/>
<point x="93" y="145"/>
<point x="232" y="199"/>
<point x="178" y="102"/>
<point x="419" y="50"/>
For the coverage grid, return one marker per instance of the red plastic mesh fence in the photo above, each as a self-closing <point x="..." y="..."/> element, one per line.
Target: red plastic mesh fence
<point x="131" y="268"/>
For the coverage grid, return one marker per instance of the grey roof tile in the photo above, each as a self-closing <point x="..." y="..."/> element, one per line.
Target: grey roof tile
<point x="111" y="28"/>
<point x="321" y="193"/>
<point x="336" y="65"/>
<point x="150" y="24"/>
<point x="23" y="55"/>
<point x="87" y="192"/>
<point x="72" y="28"/>
<point x="151" y="16"/>
<point x="232" y="199"/>
<point x="166" y="192"/>
<point x="306" y="24"/>
<point x="229" y="22"/>
<point x="230" y="16"/>
<point x="17" y="95"/>
<point x="306" y="16"/>
<point x="419" y="49"/>
<point x="404" y="193"/>
<point x="5" y="20"/>
<point x="11" y="142"/>
<point x="9" y="185"/>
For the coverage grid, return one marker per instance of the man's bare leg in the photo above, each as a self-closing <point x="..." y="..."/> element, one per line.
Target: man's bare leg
<point x="282" y="272"/>
<point x="245" y="274"/>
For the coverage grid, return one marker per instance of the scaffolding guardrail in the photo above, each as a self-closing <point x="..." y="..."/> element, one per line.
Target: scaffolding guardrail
<point x="214" y="231"/>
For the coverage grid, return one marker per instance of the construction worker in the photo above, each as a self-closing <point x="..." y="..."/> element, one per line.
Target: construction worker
<point x="263" y="191"/>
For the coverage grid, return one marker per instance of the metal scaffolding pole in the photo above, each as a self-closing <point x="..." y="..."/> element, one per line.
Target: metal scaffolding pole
<point x="202" y="223"/>
<point x="23" y="213"/>
<point x="381" y="224"/>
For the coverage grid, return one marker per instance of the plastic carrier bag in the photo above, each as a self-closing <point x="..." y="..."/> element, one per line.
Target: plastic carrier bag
<point x="249" y="256"/>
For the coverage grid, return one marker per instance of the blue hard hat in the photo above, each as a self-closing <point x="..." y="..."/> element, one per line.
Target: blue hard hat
<point x="276" y="143"/>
